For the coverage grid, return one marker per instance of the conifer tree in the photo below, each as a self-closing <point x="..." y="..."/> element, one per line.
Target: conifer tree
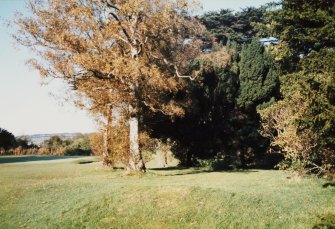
<point x="7" y="139"/>
<point x="258" y="77"/>
<point x="302" y="124"/>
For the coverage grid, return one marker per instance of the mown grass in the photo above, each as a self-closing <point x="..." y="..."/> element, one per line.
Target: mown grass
<point x="67" y="194"/>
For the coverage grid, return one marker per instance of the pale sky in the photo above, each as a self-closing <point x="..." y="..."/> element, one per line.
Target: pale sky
<point x="26" y="107"/>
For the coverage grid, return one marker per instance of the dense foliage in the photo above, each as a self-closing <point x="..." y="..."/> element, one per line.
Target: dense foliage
<point x="259" y="82"/>
<point x="221" y="99"/>
<point x="7" y="139"/>
<point x="80" y="145"/>
<point x="228" y="26"/>
<point x="223" y="123"/>
<point x="303" y="26"/>
<point x="116" y="54"/>
<point x="302" y="125"/>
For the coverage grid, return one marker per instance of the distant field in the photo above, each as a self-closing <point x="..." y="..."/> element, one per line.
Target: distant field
<point x="71" y="193"/>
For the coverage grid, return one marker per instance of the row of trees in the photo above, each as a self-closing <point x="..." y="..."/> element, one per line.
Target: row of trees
<point x="150" y="69"/>
<point x="9" y="144"/>
<point x="82" y="145"/>
<point x="77" y="146"/>
<point x="298" y="120"/>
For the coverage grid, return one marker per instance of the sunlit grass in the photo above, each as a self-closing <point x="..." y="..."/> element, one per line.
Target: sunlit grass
<point x="67" y="194"/>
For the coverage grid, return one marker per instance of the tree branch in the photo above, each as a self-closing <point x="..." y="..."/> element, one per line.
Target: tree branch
<point x="122" y="28"/>
<point x="111" y="5"/>
<point x="177" y="74"/>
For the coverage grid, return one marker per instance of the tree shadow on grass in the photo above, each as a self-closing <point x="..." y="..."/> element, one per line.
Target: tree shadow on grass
<point x="329" y="184"/>
<point x="180" y="171"/>
<point x="172" y="168"/>
<point x="20" y="159"/>
<point x="326" y="222"/>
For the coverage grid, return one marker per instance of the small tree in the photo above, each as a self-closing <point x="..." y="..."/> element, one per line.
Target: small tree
<point x="78" y="146"/>
<point x="280" y="126"/>
<point x="55" y="145"/>
<point x="7" y="139"/>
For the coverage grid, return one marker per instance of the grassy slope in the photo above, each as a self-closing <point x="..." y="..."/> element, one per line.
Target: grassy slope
<point x="65" y="194"/>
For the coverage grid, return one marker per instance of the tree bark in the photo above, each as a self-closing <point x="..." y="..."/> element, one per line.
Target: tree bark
<point x="136" y="163"/>
<point x="107" y="154"/>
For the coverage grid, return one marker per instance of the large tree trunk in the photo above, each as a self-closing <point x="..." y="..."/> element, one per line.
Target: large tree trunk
<point x="107" y="157"/>
<point x="136" y="163"/>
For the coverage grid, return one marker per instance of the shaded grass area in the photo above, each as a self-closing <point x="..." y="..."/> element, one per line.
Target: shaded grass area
<point x="67" y="194"/>
<point x="18" y="159"/>
<point x="326" y="221"/>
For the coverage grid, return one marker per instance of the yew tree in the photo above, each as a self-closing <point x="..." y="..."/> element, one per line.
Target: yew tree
<point x="116" y="53"/>
<point x="7" y="139"/>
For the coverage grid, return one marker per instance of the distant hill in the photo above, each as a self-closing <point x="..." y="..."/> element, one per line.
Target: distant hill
<point x="39" y="138"/>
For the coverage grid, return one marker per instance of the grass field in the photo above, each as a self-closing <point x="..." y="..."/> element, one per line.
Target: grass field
<point x="70" y="193"/>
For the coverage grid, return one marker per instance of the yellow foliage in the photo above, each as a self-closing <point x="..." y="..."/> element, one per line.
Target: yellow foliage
<point x="114" y="51"/>
<point x="97" y="143"/>
<point x="279" y="124"/>
<point x="116" y="54"/>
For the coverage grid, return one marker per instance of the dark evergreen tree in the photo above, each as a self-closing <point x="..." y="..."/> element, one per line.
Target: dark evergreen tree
<point x="7" y="139"/>
<point x="258" y="78"/>
<point x="316" y="82"/>
<point x="239" y="27"/>
<point x="200" y="134"/>
<point x="303" y="26"/>
<point x="306" y="57"/>
<point x="216" y="127"/>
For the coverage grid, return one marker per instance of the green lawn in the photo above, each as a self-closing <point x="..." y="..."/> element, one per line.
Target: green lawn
<point x="67" y="193"/>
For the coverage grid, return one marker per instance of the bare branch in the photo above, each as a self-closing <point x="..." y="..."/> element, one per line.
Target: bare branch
<point x="177" y="74"/>
<point x="180" y="76"/>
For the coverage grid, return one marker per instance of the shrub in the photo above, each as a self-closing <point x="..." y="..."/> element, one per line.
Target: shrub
<point x="300" y="147"/>
<point x="79" y="146"/>
<point x="220" y="162"/>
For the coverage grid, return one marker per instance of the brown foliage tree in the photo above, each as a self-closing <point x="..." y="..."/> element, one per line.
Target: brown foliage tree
<point x="123" y="53"/>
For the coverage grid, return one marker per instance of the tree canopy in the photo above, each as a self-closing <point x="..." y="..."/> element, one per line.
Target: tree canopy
<point x="258" y="77"/>
<point x="129" y="54"/>
<point x="302" y="124"/>
<point x="240" y="27"/>
<point x="302" y="26"/>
